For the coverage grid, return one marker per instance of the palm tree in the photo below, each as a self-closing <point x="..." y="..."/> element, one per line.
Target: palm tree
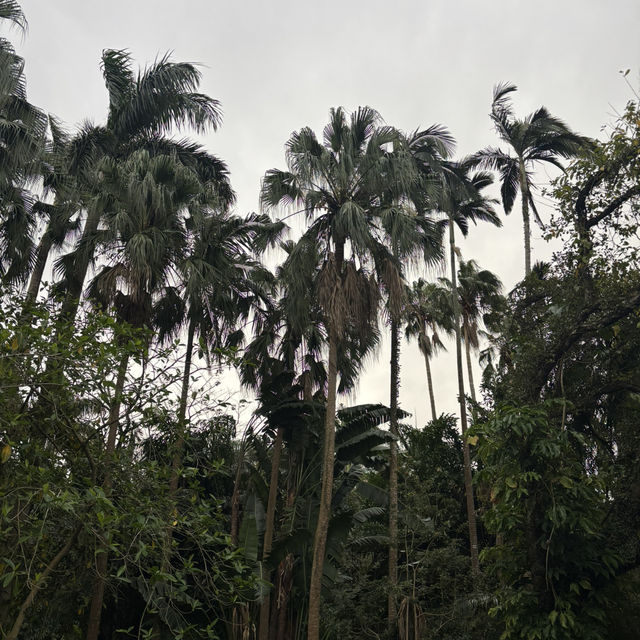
<point x="290" y="338"/>
<point x="427" y="312"/>
<point x="141" y="110"/>
<point x="539" y="137"/>
<point x="478" y="292"/>
<point x="60" y="214"/>
<point x="339" y="185"/>
<point x="220" y="283"/>
<point x="146" y="236"/>
<point x="22" y="135"/>
<point x="414" y="237"/>
<point x="462" y="202"/>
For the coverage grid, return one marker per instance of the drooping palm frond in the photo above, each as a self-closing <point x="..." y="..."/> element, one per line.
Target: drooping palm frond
<point x="10" y="10"/>
<point x="17" y="224"/>
<point x="210" y="169"/>
<point x="479" y="291"/>
<point x="118" y="77"/>
<point x="501" y="109"/>
<point x="162" y="96"/>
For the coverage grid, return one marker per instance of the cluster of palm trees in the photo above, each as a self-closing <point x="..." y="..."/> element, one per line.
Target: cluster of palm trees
<point x="377" y="201"/>
<point x="146" y="217"/>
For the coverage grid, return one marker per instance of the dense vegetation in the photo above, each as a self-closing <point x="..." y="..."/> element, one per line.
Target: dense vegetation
<point x="133" y="503"/>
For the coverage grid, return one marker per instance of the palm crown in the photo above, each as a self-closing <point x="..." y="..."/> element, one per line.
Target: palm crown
<point x="539" y="137"/>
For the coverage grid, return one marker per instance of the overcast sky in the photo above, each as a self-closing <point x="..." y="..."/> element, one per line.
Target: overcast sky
<point x="280" y="65"/>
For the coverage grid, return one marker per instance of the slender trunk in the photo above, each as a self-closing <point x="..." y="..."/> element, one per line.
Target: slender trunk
<point x="239" y="610"/>
<point x="432" y="398"/>
<point x="15" y="629"/>
<point x="392" y="608"/>
<point x="265" y="607"/>
<point x="468" y="486"/>
<point x="285" y="583"/>
<point x="524" y="193"/>
<point x="235" y="498"/>
<point x="467" y="347"/>
<point x="102" y="557"/>
<point x="285" y="568"/>
<point x="182" y="412"/>
<point x="328" y="454"/>
<point x="81" y="266"/>
<point x="42" y="254"/>
<point x="324" y="510"/>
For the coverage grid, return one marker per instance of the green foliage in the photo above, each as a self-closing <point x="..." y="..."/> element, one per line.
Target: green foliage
<point x="435" y="593"/>
<point x="119" y="466"/>
<point x="554" y="561"/>
<point x="53" y="425"/>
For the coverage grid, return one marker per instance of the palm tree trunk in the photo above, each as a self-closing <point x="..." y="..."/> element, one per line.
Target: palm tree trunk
<point x="182" y="412"/>
<point x="468" y="486"/>
<point x="235" y="497"/>
<point x="524" y="193"/>
<point x="42" y="254"/>
<point x="285" y="568"/>
<point x="467" y="347"/>
<point x="81" y="266"/>
<point x="392" y="608"/>
<point x="432" y="398"/>
<point x="328" y="454"/>
<point x="102" y="559"/>
<point x="270" y="517"/>
<point x="324" y="510"/>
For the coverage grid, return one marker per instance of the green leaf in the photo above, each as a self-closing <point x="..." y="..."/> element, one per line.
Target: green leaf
<point x="567" y="483"/>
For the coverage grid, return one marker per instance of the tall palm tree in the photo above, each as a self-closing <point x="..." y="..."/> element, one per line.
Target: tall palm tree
<point x="414" y="237"/>
<point x="22" y="136"/>
<point x="539" y="137"/>
<point x="220" y="283"/>
<point x="462" y="203"/>
<point x="478" y="291"/>
<point x="58" y="185"/>
<point x="339" y="184"/>
<point x="426" y="313"/>
<point x="289" y="337"/>
<point x="145" y="238"/>
<point x="141" y="110"/>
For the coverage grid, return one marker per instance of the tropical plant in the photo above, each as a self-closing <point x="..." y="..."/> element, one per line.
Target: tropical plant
<point x="414" y="237"/>
<point x="284" y="363"/>
<point x="427" y="313"/>
<point x="478" y="295"/>
<point x="22" y="136"/>
<point x="340" y="185"/>
<point x="462" y="203"/>
<point x="144" y="240"/>
<point x="141" y="111"/>
<point x="554" y="561"/>
<point x="539" y="137"/>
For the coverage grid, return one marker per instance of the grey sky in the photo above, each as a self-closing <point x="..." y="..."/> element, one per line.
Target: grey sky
<point x="279" y="65"/>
